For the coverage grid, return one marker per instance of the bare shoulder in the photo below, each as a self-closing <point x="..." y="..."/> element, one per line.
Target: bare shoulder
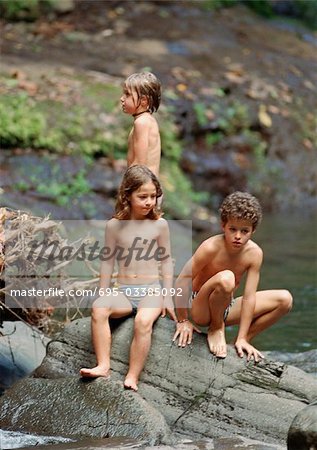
<point x="254" y="252"/>
<point x="162" y="224"/>
<point x="112" y="225"/>
<point x="209" y="247"/>
<point x="145" y="120"/>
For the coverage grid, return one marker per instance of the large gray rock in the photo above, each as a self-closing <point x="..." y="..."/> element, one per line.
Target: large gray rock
<point x="72" y="407"/>
<point x="197" y="394"/>
<point x="22" y="349"/>
<point x="302" y="434"/>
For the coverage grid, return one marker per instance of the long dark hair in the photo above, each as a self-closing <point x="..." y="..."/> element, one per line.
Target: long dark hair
<point x="134" y="177"/>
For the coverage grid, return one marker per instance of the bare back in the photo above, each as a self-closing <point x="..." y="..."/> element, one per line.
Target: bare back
<point x="144" y="143"/>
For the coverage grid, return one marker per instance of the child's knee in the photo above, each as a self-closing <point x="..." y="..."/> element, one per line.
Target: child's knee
<point x="100" y="314"/>
<point x="286" y="300"/>
<point x="226" y="281"/>
<point x="143" y="325"/>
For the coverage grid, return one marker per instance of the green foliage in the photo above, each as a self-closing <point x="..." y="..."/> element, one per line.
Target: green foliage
<point x="48" y="125"/>
<point x="233" y="118"/>
<point x="306" y="122"/>
<point x="307" y="11"/>
<point x="261" y="7"/>
<point x="262" y="176"/>
<point x="20" y="123"/>
<point x="24" y="9"/>
<point x="213" y="138"/>
<point x="171" y="147"/>
<point x="200" y="111"/>
<point x="63" y="192"/>
<point x="178" y="192"/>
<point x="230" y="118"/>
<point x="92" y="126"/>
<point x="218" y="4"/>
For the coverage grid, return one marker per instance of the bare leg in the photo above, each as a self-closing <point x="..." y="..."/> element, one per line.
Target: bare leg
<point x="101" y="335"/>
<point x="141" y="344"/>
<point x="270" y="306"/>
<point x="209" y="306"/>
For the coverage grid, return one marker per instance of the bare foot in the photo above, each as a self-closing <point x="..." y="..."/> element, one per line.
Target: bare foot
<point x="95" y="372"/>
<point x="130" y="383"/>
<point x="217" y="343"/>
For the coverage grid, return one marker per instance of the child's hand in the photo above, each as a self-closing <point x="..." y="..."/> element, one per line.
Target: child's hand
<point x="168" y="307"/>
<point x="185" y="330"/>
<point x="252" y="353"/>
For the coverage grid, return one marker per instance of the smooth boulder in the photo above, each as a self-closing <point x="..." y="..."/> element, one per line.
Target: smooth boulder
<point x="302" y="434"/>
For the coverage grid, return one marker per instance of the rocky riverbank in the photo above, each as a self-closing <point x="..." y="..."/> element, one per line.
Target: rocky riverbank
<point x="243" y="104"/>
<point x="184" y="393"/>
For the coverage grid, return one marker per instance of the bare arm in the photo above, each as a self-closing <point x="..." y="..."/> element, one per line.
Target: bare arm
<point x="141" y="132"/>
<point x="247" y="308"/>
<point x="188" y="273"/>
<point x="183" y="284"/>
<point x="167" y="268"/>
<point x="108" y="257"/>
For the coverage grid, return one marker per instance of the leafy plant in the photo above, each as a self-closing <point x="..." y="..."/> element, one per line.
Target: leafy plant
<point x="200" y="111"/>
<point x="217" y="4"/>
<point x="62" y="192"/>
<point x="232" y="118"/>
<point x="20" y="123"/>
<point x="24" y="9"/>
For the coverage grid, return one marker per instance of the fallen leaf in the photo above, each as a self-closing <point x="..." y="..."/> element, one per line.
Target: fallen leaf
<point x="28" y="86"/>
<point x="235" y="77"/>
<point x="181" y="87"/>
<point x="308" y="144"/>
<point x="263" y="116"/>
<point x="18" y="74"/>
<point x="309" y="85"/>
<point x="273" y="109"/>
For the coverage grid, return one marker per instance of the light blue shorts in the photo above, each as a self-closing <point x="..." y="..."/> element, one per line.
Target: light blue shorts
<point x="136" y="292"/>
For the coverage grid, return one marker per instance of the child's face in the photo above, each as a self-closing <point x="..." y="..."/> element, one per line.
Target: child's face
<point x="131" y="103"/>
<point x="143" y="200"/>
<point x="237" y="233"/>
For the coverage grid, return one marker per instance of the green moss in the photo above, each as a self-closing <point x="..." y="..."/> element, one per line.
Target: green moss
<point x="62" y="192"/>
<point x="20" y="122"/>
<point x="24" y="9"/>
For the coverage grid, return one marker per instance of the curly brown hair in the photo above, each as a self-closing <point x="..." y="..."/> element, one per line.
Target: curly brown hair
<point x="145" y="83"/>
<point x="242" y="206"/>
<point x="134" y="177"/>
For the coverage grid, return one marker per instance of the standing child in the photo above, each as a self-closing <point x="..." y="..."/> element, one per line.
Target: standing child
<point x="138" y="238"/>
<point x="216" y="270"/>
<point x="141" y="97"/>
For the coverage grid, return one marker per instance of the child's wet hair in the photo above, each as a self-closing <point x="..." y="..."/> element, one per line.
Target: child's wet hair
<point x="134" y="177"/>
<point x="145" y="84"/>
<point x="241" y="206"/>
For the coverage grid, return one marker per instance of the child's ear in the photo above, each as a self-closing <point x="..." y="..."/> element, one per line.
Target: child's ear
<point x="223" y="226"/>
<point x="144" y="101"/>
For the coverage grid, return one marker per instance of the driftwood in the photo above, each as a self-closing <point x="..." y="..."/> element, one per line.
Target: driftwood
<point x="21" y="269"/>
